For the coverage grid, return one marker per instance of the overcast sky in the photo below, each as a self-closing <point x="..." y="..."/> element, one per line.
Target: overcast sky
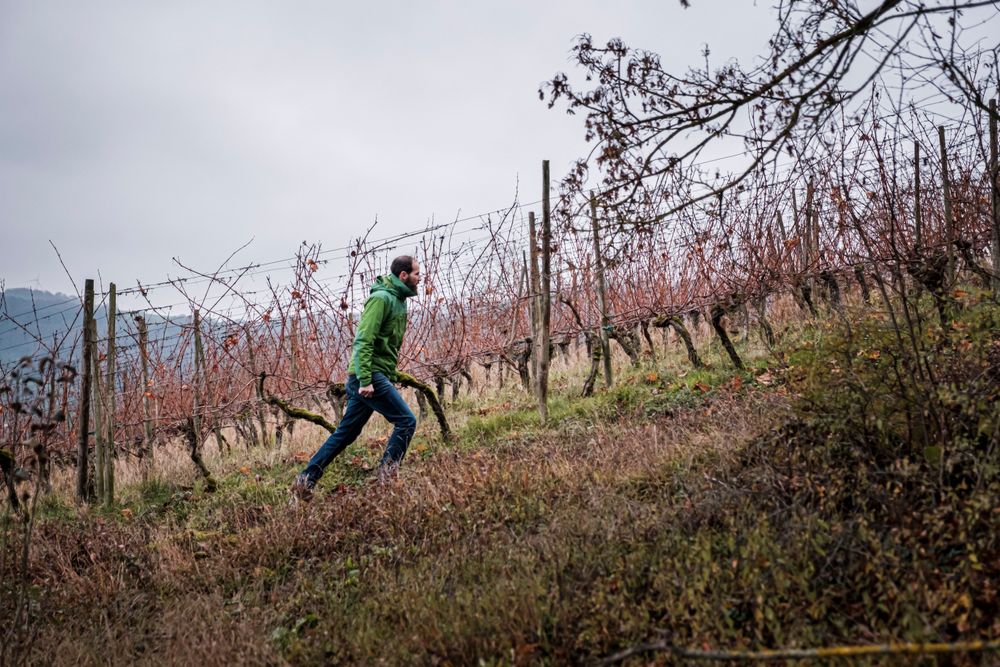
<point x="133" y="132"/>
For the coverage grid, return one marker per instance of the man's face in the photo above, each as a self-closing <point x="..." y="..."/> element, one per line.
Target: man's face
<point x="411" y="278"/>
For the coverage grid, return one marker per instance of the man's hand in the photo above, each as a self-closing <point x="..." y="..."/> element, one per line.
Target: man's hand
<point x="367" y="391"/>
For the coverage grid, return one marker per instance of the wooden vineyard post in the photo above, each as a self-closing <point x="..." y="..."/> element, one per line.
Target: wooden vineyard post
<point x="97" y="399"/>
<point x="949" y="220"/>
<point x="810" y="229"/>
<point x="147" y="423"/>
<point x="83" y="423"/>
<point x="602" y="296"/>
<point x="918" y="220"/>
<point x="109" y="392"/>
<point x="802" y="242"/>
<point x="534" y="300"/>
<point x="199" y="365"/>
<point x="545" y="302"/>
<point x="995" y="196"/>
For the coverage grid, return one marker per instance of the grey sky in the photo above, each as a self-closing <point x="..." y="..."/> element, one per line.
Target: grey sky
<point x="131" y="132"/>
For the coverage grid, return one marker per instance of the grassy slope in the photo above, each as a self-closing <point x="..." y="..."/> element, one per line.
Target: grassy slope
<point x="727" y="510"/>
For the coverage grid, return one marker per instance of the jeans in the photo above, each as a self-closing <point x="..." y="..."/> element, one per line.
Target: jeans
<point x="388" y="403"/>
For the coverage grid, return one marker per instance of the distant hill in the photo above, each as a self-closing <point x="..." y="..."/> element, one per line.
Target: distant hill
<point x="27" y="315"/>
<point x="44" y="314"/>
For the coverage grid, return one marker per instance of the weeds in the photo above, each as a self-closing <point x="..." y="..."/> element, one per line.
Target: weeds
<point x="792" y="504"/>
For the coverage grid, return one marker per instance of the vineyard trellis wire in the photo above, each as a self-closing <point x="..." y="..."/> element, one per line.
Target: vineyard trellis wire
<point x="845" y="216"/>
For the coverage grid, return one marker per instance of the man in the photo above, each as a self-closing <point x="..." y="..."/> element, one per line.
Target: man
<point x="370" y="375"/>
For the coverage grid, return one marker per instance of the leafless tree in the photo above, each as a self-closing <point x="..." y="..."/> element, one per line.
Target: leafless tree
<point x="650" y="125"/>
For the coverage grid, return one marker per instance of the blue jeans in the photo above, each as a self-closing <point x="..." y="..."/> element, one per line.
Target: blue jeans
<point x="388" y="403"/>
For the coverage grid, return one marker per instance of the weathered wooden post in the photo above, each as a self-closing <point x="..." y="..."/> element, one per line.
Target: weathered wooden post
<point x="995" y="196"/>
<point x="949" y="220"/>
<point x="918" y="219"/>
<point x="109" y="388"/>
<point x="811" y="249"/>
<point x="803" y="243"/>
<point x="99" y="409"/>
<point x="83" y="423"/>
<point x="534" y="301"/>
<point x="808" y="251"/>
<point x="544" y="358"/>
<point x="199" y="365"/>
<point x="602" y="296"/>
<point x="147" y="422"/>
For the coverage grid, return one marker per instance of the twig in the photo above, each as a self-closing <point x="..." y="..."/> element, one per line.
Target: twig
<point x="807" y="653"/>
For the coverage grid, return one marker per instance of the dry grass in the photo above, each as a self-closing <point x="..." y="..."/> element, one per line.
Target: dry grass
<point x="671" y="502"/>
<point x="226" y="578"/>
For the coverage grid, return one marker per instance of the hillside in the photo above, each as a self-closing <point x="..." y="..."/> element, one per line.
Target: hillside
<point x="43" y="314"/>
<point x="835" y="493"/>
<point x="30" y="315"/>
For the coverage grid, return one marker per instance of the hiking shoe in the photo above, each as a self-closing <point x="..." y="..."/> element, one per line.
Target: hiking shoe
<point x="387" y="473"/>
<point x="302" y="489"/>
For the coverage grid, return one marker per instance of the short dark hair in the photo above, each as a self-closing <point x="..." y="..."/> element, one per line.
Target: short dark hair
<point x="400" y="264"/>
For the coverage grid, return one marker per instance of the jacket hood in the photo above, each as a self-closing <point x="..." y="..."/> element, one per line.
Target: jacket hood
<point x="393" y="285"/>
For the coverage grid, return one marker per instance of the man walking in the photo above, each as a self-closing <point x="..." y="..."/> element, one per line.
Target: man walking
<point x="370" y="375"/>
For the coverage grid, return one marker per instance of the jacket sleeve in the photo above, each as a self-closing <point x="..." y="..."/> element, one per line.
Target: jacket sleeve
<point x="364" y="340"/>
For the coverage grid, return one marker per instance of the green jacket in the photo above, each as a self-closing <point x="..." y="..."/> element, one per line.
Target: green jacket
<point x="380" y="332"/>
